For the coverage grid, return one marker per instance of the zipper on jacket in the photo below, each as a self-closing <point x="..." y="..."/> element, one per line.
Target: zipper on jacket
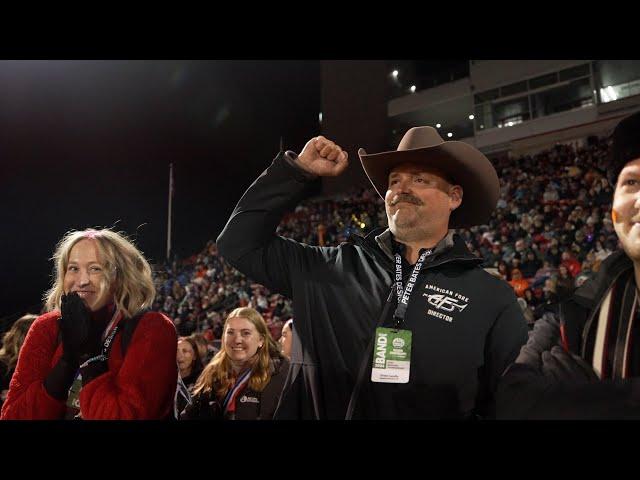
<point x="355" y="393"/>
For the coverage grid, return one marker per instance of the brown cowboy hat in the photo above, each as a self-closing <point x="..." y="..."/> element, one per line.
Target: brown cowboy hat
<point x="464" y="164"/>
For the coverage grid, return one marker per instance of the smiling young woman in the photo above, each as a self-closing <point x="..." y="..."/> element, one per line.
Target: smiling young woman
<point x="244" y="380"/>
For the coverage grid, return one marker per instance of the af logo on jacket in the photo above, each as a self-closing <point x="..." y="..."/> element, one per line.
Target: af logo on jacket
<point x="444" y="303"/>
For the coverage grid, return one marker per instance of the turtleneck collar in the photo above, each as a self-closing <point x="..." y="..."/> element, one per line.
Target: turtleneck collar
<point x="104" y="315"/>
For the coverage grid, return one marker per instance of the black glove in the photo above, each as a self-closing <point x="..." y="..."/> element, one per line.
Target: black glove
<point x="81" y="335"/>
<point x="565" y="367"/>
<point x="60" y="378"/>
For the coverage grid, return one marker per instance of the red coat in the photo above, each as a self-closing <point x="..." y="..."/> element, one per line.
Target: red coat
<point x="519" y="286"/>
<point x="573" y="266"/>
<point x="140" y="387"/>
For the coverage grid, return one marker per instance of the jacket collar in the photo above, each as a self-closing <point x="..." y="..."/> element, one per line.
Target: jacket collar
<point x="612" y="267"/>
<point x="451" y="248"/>
<point x="385" y="241"/>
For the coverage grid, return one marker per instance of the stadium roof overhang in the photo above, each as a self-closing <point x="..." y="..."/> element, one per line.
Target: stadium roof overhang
<point x="447" y="104"/>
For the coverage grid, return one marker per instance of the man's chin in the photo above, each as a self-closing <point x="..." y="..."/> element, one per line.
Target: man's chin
<point x="630" y="241"/>
<point x="405" y="233"/>
<point x="399" y="230"/>
<point x="402" y="220"/>
<point x="632" y="249"/>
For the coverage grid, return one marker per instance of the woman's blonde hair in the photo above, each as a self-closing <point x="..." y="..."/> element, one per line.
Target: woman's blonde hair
<point x="13" y="340"/>
<point x="218" y="374"/>
<point x="125" y="269"/>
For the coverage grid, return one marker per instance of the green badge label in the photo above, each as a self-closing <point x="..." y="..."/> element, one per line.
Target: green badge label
<point x="391" y="356"/>
<point x="73" y="398"/>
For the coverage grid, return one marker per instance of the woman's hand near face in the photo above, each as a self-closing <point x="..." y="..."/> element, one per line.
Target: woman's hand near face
<point x="80" y="335"/>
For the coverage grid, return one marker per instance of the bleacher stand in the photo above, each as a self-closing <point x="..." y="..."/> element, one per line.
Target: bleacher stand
<point x="549" y="234"/>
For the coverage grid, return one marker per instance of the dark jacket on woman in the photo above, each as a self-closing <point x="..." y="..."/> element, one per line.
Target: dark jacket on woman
<point x="250" y="404"/>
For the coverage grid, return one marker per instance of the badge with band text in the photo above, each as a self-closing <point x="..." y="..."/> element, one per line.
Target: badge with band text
<point x="391" y="356"/>
<point x="73" y="397"/>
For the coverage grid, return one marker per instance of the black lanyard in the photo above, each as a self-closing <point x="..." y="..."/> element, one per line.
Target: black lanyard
<point x="106" y="347"/>
<point x="405" y="293"/>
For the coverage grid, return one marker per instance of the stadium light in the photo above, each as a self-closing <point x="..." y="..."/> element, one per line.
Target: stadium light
<point x="471" y="117"/>
<point x="413" y="88"/>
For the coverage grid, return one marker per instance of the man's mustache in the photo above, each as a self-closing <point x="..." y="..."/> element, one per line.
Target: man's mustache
<point x="405" y="197"/>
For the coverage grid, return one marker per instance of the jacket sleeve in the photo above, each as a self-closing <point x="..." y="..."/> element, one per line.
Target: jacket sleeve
<point x="248" y="242"/>
<point x="144" y="386"/>
<point x="526" y="393"/>
<point x="506" y="337"/>
<point x="27" y="398"/>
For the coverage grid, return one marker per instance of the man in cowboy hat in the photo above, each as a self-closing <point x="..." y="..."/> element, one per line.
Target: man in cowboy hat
<point x="400" y="324"/>
<point x="583" y="362"/>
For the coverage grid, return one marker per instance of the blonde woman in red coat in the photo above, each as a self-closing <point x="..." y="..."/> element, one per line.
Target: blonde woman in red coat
<point x="98" y="353"/>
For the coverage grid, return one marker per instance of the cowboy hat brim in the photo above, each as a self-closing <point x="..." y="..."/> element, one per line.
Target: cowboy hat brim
<point x="467" y="166"/>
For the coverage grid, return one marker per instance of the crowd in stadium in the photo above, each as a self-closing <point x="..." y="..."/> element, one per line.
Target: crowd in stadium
<point x="549" y="233"/>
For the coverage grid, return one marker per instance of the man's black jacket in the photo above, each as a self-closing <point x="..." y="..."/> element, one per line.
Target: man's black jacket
<point x="466" y="324"/>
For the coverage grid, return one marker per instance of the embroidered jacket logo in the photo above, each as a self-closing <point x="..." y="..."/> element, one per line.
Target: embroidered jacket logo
<point x="443" y="302"/>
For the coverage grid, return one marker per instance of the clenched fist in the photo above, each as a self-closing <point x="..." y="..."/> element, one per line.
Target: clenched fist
<point x="322" y="157"/>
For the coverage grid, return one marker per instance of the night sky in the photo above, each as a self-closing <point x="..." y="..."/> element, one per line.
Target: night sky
<point x="88" y="143"/>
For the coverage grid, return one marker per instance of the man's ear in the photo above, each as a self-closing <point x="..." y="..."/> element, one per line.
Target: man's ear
<point x="455" y="197"/>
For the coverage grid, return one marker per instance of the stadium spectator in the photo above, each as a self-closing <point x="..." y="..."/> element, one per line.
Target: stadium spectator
<point x="189" y="365"/>
<point x="286" y="339"/>
<point x="518" y="283"/>
<point x="11" y="344"/>
<point x="581" y="361"/>
<point x="244" y="380"/>
<point x="98" y="326"/>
